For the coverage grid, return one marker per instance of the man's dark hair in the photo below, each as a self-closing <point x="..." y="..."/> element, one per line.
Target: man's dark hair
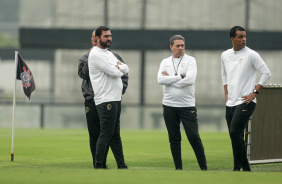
<point x="233" y="30"/>
<point x="100" y="29"/>
<point x="176" y="37"/>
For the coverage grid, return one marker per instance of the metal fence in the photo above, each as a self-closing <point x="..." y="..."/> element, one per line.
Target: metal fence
<point x="72" y="115"/>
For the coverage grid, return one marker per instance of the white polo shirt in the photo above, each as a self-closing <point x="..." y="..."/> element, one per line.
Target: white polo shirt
<point x="178" y="92"/>
<point x="239" y="72"/>
<point x="105" y="77"/>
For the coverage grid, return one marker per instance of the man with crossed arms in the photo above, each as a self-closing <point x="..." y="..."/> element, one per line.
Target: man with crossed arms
<point x="105" y="74"/>
<point x="92" y="117"/>
<point x="177" y="74"/>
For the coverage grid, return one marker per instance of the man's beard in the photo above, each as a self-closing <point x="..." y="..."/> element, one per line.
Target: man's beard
<point x="104" y="44"/>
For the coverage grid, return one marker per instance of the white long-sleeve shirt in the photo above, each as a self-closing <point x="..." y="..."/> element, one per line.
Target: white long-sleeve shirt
<point x="239" y="73"/>
<point x="105" y="77"/>
<point x="178" y="92"/>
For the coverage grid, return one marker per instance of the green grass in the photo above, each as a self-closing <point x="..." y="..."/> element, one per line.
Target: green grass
<point x="63" y="156"/>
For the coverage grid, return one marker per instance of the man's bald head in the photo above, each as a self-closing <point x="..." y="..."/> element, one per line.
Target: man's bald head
<point x="93" y="39"/>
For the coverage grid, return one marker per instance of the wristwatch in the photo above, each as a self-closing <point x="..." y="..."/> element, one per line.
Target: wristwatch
<point x="255" y="91"/>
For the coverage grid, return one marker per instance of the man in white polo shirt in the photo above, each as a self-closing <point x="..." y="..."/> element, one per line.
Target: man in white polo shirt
<point x="177" y="74"/>
<point x="105" y="72"/>
<point x="239" y="67"/>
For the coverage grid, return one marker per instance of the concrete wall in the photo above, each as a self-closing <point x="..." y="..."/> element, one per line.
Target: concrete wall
<point x="160" y="14"/>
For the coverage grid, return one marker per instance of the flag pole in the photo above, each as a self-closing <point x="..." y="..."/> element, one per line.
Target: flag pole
<point x="14" y="105"/>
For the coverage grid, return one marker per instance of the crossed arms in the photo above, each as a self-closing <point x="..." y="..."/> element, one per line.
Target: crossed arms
<point x="188" y="79"/>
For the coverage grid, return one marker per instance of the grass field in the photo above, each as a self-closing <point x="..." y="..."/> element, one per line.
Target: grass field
<point x="63" y="156"/>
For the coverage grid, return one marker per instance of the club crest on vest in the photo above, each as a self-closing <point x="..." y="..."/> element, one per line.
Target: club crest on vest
<point x="109" y="106"/>
<point x="87" y="109"/>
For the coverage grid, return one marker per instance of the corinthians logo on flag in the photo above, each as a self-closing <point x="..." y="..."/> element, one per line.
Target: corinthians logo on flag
<point x="24" y="74"/>
<point x="26" y="78"/>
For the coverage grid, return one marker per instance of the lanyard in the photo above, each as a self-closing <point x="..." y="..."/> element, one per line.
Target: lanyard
<point x="178" y="64"/>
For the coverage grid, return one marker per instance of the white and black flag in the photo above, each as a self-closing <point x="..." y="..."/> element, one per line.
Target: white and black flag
<point x="24" y="74"/>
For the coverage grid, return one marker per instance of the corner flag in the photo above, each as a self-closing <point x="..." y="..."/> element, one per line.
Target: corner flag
<point x="22" y="73"/>
<point x="25" y="75"/>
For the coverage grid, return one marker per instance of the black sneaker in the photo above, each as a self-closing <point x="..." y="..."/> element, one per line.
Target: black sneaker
<point x="122" y="166"/>
<point x="246" y="168"/>
<point x="100" y="166"/>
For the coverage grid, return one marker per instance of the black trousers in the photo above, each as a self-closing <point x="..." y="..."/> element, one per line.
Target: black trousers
<point x="93" y="124"/>
<point x="237" y="118"/>
<point x="188" y="117"/>
<point x="109" y="114"/>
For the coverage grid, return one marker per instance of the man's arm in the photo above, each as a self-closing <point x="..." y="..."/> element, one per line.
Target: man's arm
<point x="249" y="98"/>
<point x="83" y="71"/>
<point x="190" y="76"/>
<point x="224" y="79"/>
<point x="265" y="75"/>
<point x="125" y="77"/>
<point x="122" y="67"/>
<point x="226" y="92"/>
<point x="262" y="68"/>
<point x="164" y="78"/>
<point x="100" y="62"/>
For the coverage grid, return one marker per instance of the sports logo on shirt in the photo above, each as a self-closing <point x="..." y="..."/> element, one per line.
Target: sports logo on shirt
<point x="109" y="106"/>
<point x="240" y="60"/>
<point x="182" y="65"/>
